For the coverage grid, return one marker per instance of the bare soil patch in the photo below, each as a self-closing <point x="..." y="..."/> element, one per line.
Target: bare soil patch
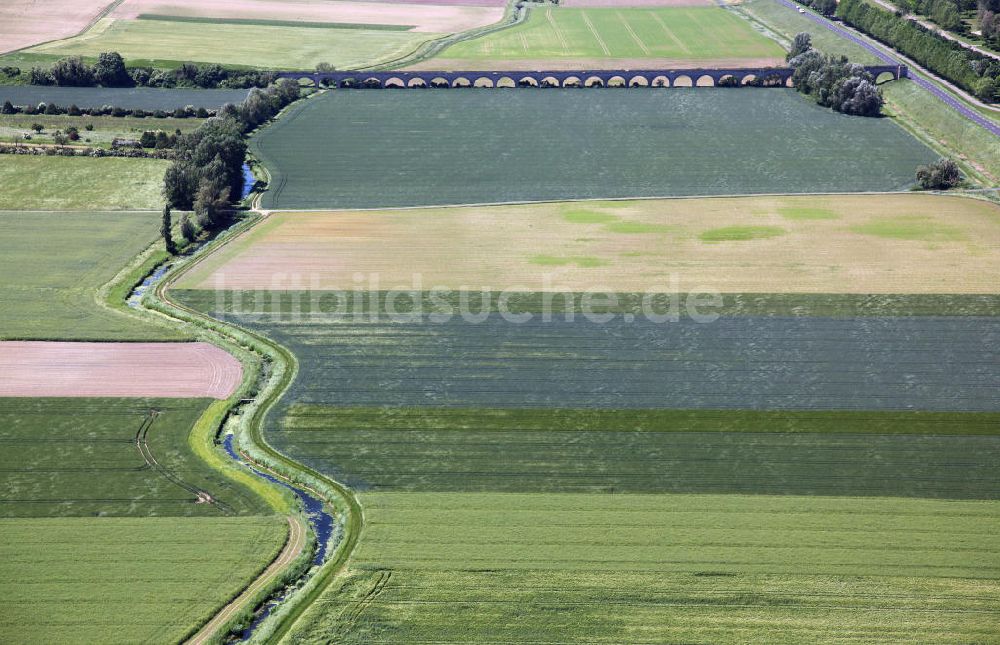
<point x="433" y="18"/>
<point x="117" y="370"/>
<point x="29" y="22"/>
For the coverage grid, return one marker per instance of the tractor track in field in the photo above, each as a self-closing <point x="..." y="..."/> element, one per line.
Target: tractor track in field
<point x="142" y="445"/>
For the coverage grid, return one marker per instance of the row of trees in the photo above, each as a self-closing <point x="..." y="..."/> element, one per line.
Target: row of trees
<point x="946" y="13"/>
<point x="972" y="71"/>
<point x="833" y="81"/>
<point x="106" y="110"/>
<point x="949" y="15"/>
<point x="110" y="70"/>
<point x="207" y="172"/>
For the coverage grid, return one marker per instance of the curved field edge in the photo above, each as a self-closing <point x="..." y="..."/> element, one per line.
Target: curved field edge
<point x="277" y="367"/>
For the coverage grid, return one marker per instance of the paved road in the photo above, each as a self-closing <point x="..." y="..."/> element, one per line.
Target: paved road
<point x="920" y="79"/>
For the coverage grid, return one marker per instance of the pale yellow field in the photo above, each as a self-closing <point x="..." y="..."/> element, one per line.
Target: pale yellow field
<point x="897" y="243"/>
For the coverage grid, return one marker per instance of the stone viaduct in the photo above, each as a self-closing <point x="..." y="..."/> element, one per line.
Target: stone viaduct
<point x="716" y="77"/>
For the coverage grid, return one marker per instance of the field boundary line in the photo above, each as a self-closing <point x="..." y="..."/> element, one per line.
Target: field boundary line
<point x="597" y="36"/>
<point x="334" y="209"/>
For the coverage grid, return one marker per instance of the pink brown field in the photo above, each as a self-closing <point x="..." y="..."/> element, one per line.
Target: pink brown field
<point x="117" y="370"/>
<point x="440" y="17"/>
<point x="29" y="22"/>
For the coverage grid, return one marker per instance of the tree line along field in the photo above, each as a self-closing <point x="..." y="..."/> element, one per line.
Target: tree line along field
<point x="129" y="98"/>
<point x="126" y="580"/>
<point x="81" y="183"/>
<point x="887" y="244"/>
<point x="336" y="150"/>
<point x="483" y="567"/>
<point x="54" y="264"/>
<point x="554" y="37"/>
<point x="104" y="129"/>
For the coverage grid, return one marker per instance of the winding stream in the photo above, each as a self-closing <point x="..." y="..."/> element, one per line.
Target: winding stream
<point x="321" y="522"/>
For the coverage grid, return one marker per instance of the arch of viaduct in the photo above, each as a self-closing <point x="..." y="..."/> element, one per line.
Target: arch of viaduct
<point x="767" y="76"/>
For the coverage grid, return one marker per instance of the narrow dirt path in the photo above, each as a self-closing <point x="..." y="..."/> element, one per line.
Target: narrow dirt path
<point x="293" y="547"/>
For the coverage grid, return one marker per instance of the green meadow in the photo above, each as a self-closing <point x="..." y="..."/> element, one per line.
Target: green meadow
<point x="690" y="34"/>
<point x="54" y="266"/>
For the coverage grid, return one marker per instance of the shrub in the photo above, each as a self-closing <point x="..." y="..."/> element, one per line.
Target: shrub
<point x="72" y="72"/>
<point x="940" y="175"/>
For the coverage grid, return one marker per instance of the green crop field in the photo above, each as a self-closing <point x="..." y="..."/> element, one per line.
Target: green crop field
<point x="80" y="183"/>
<point x="125" y="580"/>
<point x="468" y="567"/>
<point x="78" y="457"/>
<point x="53" y="266"/>
<point x="553" y="450"/>
<point x="76" y="570"/>
<point x="597" y="37"/>
<point x="500" y="467"/>
<point x="164" y="42"/>
<point x="336" y="150"/>
<point x="816" y="467"/>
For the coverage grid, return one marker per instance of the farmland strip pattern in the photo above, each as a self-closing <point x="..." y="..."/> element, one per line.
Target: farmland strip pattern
<point x="793" y="466"/>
